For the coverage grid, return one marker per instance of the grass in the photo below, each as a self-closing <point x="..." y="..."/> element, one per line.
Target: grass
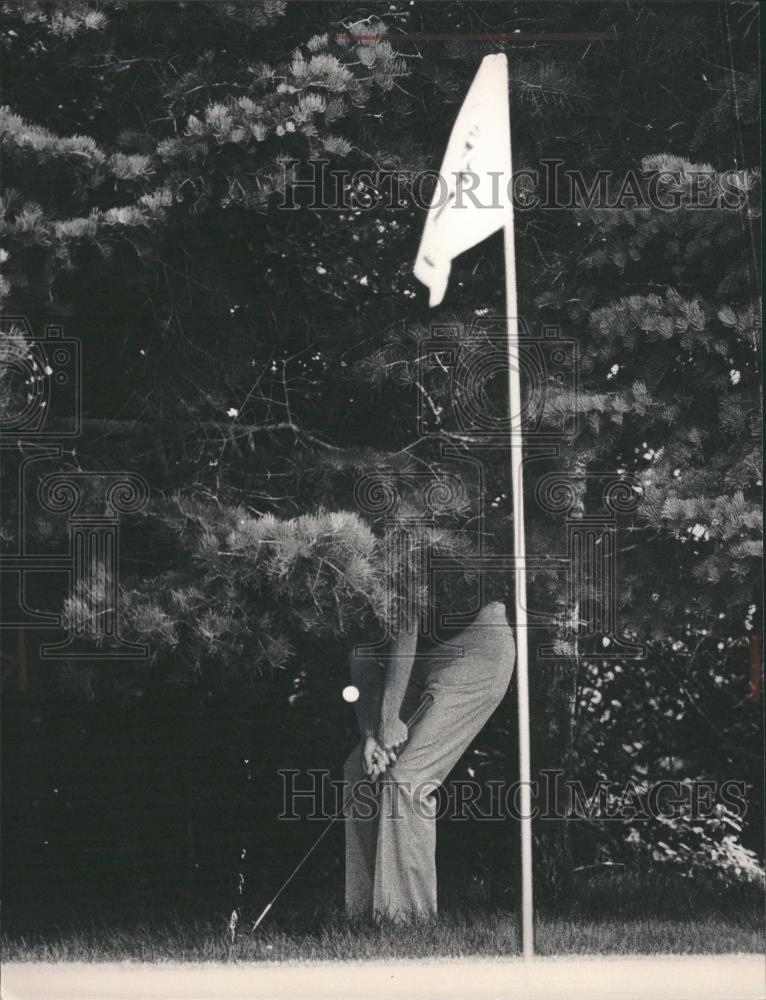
<point x="329" y="936"/>
<point x="607" y="913"/>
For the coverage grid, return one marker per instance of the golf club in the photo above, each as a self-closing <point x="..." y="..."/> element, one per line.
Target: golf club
<point x="418" y="714"/>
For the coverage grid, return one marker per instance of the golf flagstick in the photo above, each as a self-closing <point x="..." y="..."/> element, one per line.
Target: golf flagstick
<point x="460" y="216"/>
<point x="416" y="716"/>
<point x="520" y="587"/>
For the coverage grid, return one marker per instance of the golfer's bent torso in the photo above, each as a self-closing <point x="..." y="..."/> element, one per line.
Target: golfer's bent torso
<point x="391" y="837"/>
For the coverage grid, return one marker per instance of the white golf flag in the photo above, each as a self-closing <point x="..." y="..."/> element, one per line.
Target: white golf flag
<point x="471" y="200"/>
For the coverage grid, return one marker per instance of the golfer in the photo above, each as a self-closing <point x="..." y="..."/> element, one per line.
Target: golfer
<point x="391" y="832"/>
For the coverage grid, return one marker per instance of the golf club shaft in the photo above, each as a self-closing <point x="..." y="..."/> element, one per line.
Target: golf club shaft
<point x="416" y="716"/>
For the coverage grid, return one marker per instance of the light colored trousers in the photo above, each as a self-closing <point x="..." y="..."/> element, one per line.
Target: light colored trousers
<point x="391" y="829"/>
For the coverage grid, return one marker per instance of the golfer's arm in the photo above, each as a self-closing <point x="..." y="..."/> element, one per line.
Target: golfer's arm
<point x="367" y="677"/>
<point x="401" y="656"/>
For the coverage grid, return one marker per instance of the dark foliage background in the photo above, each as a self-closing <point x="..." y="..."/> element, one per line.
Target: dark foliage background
<point x="252" y="364"/>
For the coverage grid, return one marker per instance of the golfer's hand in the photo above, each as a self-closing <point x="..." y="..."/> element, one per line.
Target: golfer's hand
<point x="392" y="735"/>
<point x="374" y="758"/>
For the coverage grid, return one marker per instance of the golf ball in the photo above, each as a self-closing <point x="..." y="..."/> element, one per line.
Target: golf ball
<point x="350" y="693"/>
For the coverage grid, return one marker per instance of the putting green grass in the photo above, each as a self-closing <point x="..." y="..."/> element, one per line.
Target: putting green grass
<point x="330" y="936"/>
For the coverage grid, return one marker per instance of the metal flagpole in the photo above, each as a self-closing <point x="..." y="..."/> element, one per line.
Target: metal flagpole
<point x="480" y="147"/>
<point x="520" y="582"/>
